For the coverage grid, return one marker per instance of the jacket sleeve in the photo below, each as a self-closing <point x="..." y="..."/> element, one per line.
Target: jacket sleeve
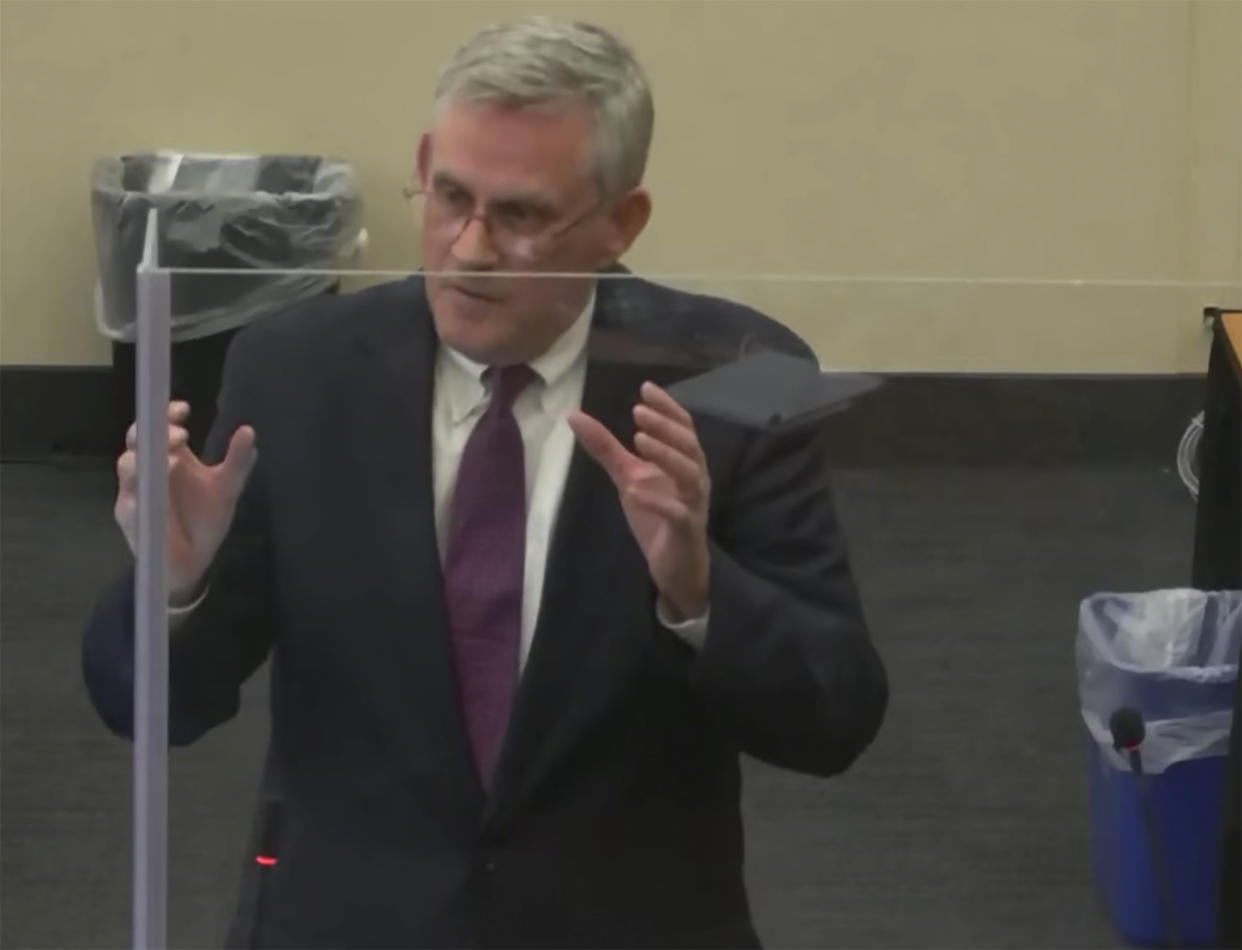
<point x="230" y="633"/>
<point x="788" y="669"/>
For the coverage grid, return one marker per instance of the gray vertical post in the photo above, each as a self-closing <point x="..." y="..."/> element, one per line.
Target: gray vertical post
<point x="150" y="894"/>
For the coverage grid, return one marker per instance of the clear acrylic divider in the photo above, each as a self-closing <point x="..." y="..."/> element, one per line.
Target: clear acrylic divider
<point x="952" y="468"/>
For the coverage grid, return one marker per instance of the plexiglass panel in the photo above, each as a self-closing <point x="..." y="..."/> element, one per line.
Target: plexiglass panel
<point x="558" y="561"/>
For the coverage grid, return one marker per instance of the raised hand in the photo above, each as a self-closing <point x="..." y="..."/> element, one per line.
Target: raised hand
<point x="201" y="500"/>
<point x="664" y="489"/>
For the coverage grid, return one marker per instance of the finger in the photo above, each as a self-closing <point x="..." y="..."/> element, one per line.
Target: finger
<point x="125" y="512"/>
<point x="685" y="472"/>
<point x="178" y="412"/>
<point x="239" y="459"/>
<point x="673" y="509"/>
<point x="601" y="445"/>
<point x="127" y="472"/>
<point x="669" y="431"/>
<point x="177" y="437"/>
<point x="662" y="402"/>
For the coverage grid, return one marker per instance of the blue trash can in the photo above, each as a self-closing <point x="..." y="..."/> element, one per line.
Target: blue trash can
<point x="1172" y="655"/>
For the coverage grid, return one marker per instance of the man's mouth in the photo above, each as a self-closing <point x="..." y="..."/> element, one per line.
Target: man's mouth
<point x="474" y="293"/>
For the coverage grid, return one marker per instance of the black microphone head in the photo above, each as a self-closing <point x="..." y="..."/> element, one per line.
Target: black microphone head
<point x="1126" y="725"/>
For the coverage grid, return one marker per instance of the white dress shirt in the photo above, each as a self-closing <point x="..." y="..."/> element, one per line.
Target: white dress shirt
<point x="460" y="398"/>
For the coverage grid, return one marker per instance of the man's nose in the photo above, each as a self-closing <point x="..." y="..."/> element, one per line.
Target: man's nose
<point x="473" y="247"/>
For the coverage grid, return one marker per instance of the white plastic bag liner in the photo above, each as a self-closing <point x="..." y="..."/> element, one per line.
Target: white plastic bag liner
<point x="1170" y="654"/>
<point x="221" y="211"/>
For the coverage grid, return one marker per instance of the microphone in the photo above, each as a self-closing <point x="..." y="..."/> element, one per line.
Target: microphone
<point x="267" y="854"/>
<point x="1128" y="730"/>
<point x="269" y="838"/>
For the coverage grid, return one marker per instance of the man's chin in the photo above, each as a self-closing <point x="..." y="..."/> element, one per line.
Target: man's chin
<point x="468" y="334"/>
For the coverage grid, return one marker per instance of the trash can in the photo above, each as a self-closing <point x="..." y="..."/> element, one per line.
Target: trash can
<point x="236" y="212"/>
<point x="1171" y="655"/>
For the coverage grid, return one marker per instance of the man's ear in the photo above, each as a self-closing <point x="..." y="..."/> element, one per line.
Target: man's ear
<point x="626" y="220"/>
<point x="423" y="159"/>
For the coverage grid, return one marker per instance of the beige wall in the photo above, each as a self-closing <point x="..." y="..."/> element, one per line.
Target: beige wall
<point x="999" y="139"/>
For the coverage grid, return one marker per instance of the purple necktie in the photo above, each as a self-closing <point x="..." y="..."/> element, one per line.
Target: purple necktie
<point x="484" y="562"/>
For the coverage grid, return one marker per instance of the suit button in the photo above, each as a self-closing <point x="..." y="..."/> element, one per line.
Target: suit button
<point x="489" y="863"/>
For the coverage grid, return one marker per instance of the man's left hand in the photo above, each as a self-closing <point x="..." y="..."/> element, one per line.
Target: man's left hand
<point x="664" y="491"/>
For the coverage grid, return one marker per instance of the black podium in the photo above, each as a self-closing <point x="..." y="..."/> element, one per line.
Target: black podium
<point x="1218" y="566"/>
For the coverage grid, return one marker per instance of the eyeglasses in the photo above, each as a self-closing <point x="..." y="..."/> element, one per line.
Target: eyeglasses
<point x="518" y="230"/>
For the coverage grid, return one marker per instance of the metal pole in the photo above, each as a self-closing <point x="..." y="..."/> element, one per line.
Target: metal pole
<point x="150" y="894"/>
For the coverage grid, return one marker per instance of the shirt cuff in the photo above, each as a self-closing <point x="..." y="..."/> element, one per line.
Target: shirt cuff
<point x="178" y="614"/>
<point x="692" y="631"/>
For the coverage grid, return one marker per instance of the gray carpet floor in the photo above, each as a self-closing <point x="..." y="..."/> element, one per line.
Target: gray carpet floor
<point x="964" y="826"/>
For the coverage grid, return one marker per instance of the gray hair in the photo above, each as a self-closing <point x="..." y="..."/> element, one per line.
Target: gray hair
<point x="536" y="61"/>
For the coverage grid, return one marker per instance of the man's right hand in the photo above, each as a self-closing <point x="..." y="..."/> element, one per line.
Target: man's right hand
<point x="201" y="500"/>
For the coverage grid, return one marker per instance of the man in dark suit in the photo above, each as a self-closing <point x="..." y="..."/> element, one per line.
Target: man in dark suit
<point x="523" y="610"/>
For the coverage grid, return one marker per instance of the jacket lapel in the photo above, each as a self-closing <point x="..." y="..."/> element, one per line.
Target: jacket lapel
<point x="418" y="696"/>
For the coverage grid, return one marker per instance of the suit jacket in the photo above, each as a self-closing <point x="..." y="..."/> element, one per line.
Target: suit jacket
<point x="613" y="817"/>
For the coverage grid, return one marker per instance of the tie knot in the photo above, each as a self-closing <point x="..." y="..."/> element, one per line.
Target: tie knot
<point x="507" y="383"/>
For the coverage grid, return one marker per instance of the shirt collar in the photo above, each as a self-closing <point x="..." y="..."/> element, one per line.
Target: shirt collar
<point x="463" y="377"/>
